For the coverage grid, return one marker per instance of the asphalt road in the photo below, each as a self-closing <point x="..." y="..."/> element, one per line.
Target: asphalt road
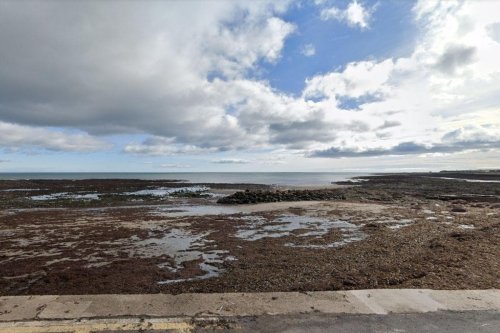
<point x="456" y="322"/>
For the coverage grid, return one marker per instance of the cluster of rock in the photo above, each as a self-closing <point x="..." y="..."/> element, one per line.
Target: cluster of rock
<point x="250" y="197"/>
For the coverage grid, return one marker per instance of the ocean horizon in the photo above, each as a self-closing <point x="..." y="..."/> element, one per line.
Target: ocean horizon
<point x="277" y="178"/>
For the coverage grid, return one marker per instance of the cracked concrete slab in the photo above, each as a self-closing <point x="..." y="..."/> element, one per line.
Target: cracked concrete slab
<point x="398" y="301"/>
<point x="23" y="307"/>
<point x="464" y="300"/>
<point x="376" y="301"/>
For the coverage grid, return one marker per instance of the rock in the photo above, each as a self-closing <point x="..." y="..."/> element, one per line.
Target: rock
<point x="461" y="236"/>
<point x="459" y="202"/>
<point x="276" y="196"/>
<point x="458" y="209"/>
<point x="436" y="244"/>
<point x="349" y="282"/>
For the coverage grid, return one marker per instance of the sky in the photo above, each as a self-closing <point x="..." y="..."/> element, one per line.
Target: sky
<point x="293" y="85"/>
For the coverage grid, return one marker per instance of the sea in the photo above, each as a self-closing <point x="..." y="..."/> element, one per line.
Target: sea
<point x="270" y="178"/>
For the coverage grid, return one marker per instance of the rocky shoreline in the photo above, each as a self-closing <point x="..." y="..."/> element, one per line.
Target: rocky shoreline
<point x="132" y="236"/>
<point x="388" y="188"/>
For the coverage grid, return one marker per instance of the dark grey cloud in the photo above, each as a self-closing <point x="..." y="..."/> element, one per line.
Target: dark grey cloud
<point x="405" y="148"/>
<point x="108" y="67"/>
<point x="126" y="67"/>
<point x="382" y="135"/>
<point x="455" y="57"/>
<point x="300" y="133"/>
<point x="17" y="137"/>
<point x="158" y="146"/>
<point x="389" y="124"/>
<point x="494" y="31"/>
<point x="357" y="126"/>
<point x="473" y="138"/>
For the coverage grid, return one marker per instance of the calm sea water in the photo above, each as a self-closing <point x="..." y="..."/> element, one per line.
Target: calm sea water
<point x="278" y="178"/>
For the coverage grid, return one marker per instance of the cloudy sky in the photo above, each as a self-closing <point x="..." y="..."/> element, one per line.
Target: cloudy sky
<point x="325" y="85"/>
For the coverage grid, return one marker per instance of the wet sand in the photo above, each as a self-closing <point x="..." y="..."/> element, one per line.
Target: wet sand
<point x="132" y="236"/>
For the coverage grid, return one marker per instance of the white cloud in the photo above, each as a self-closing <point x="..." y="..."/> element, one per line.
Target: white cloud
<point x="460" y="140"/>
<point x="158" y="146"/>
<point x="308" y="50"/>
<point x="451" y="75"/>
<point x="230" y="161"/>
<point x="355" y="15"/>
<point x="14" y="137"/>
<point x="175" y="166"/>
<point x="183" y="78"/>
<point x="146" y="68"/>
<point x="356" y="80"/>
<point x="233" y="51"/>
<point x="274" y="158"/>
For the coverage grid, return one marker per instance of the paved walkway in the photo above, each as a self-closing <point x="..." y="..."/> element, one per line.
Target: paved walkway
<point x="192" y="312"/>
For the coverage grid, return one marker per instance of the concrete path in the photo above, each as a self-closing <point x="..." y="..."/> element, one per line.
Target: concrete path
<point x="192" y="312"/>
